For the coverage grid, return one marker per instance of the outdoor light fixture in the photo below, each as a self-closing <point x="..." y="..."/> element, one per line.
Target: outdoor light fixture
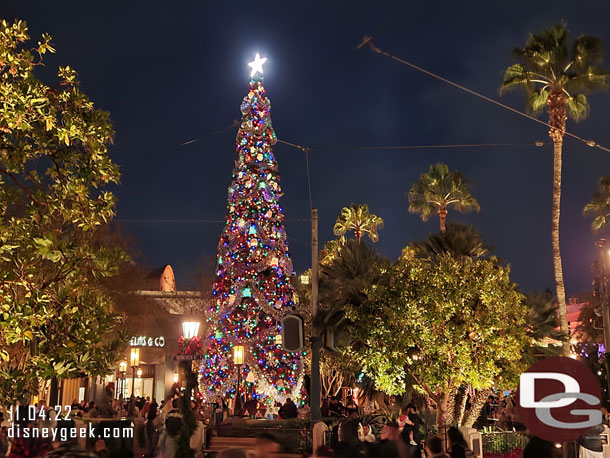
<point x="139" y="373"/>
<point x="304" y="279"/>
<point x="190" y="328"/>
<point x="122" y="371"/>
<point x="238" y="360"/>
<point x="134" y="361"/>
<point x="278" y="339"/>
<point x="135" y="357"/>
<point x="175" y="377"/>
<point x="238" y="355"/>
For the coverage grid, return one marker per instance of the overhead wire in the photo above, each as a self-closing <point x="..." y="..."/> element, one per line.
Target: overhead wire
<point x="369" y="40"/>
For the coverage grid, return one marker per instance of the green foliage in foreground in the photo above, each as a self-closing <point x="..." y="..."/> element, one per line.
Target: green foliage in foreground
<point x="55" y="317"/>
<point x="440" y="325"/>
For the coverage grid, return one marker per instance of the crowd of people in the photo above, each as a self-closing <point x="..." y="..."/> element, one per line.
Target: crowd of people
<point x="158" y="429"/>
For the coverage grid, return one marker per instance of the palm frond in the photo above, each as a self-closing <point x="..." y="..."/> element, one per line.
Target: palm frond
<point x="599" y="222"/>
<point x="536" y="102"/>
<point x="546" y="64"/>
<point x="359" y="219"/>
<point x="592" y="79"/>
<point x="458" y="240"/>
<point x="577" y="107"/>
<point x="441" y="188"/>
<point x="599" y="207"/>
<point x="587" y="50"/>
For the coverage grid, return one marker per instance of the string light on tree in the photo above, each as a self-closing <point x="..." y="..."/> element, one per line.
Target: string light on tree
<point x="253" y="288"/>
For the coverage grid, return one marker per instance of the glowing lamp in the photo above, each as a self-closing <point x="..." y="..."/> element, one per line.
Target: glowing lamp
<point x="238" y="355"/>
<point x="175" y="377"/>
<point x="304" y="279"/>
<point x="278" y="339"/>
<point x="135" y="357"/>
<point x="139" y="373"/>
<point x="190" y="327"/>
<point x="123" y="367"/>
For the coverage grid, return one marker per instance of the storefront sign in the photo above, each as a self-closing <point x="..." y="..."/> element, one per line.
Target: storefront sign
<point x="187" y="357"/>
<point x="144" y="341"/>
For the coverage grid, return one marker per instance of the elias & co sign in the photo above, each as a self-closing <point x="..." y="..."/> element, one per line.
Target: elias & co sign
<point x="145" y="341"/>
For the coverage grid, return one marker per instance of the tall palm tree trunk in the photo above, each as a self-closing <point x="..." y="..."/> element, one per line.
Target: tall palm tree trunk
<point x="442" y="216"/>
<point x="557" y="121"/>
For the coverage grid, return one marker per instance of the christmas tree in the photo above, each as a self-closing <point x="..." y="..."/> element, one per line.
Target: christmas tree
<point x="253" y="286"/>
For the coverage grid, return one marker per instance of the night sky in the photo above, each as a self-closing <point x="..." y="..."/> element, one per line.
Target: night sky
<point x="170" y="72"/>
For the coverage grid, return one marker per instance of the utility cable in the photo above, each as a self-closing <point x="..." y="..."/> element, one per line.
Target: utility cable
<point x="368" y="40"/>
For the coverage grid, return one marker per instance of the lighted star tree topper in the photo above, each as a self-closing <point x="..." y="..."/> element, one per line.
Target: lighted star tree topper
<point x="253" y="286"/>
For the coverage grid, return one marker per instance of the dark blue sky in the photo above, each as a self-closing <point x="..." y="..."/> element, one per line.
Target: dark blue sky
<point x="172" y="71"/>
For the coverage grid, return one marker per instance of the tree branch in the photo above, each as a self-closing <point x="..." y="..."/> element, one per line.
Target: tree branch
<point x="18" y="183"/>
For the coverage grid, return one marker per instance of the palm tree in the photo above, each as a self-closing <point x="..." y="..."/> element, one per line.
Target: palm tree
<point x="542" y="323"/>
<point x="357" y="218"/>
<point x="459" y="240"/>
<point x="344" y="280"/>
<point x="599" y="207"/>
<point x="556" y="80"/>
<point x="438" y="190"/>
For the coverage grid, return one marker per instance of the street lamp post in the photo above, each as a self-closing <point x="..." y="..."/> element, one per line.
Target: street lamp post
<point x="122" y="371"/>
<point x="316" y="342"/>
<point x="238" y="360"/>
<point x="603" y="272"/>
<point x="190" y="330"/>
<point x="134" y="361"/>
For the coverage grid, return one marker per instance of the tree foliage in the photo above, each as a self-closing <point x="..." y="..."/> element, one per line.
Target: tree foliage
<point x="599" y="207"/>
<point x="545" y="65"/>
<point x="438" y="190"/>
<point x="542" y="326"/>
<point x="457" y="239"/>
<point x="556" y="80"/>
<point x="359" y="219"/>
<point x="56" y="317"/>
<point x="446" y="323"/>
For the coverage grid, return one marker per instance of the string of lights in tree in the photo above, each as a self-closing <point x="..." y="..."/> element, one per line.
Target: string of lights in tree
<point x="253" y="286"/>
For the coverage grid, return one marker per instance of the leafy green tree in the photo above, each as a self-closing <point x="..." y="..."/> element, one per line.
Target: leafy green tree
<point x="556" y="80"/>
<point x="357" y="218"/>
<point x="438" y="190"/>
<point x="444" y="324"/>
<point x="599" y="207"/>
<point x="56" y="316"/>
